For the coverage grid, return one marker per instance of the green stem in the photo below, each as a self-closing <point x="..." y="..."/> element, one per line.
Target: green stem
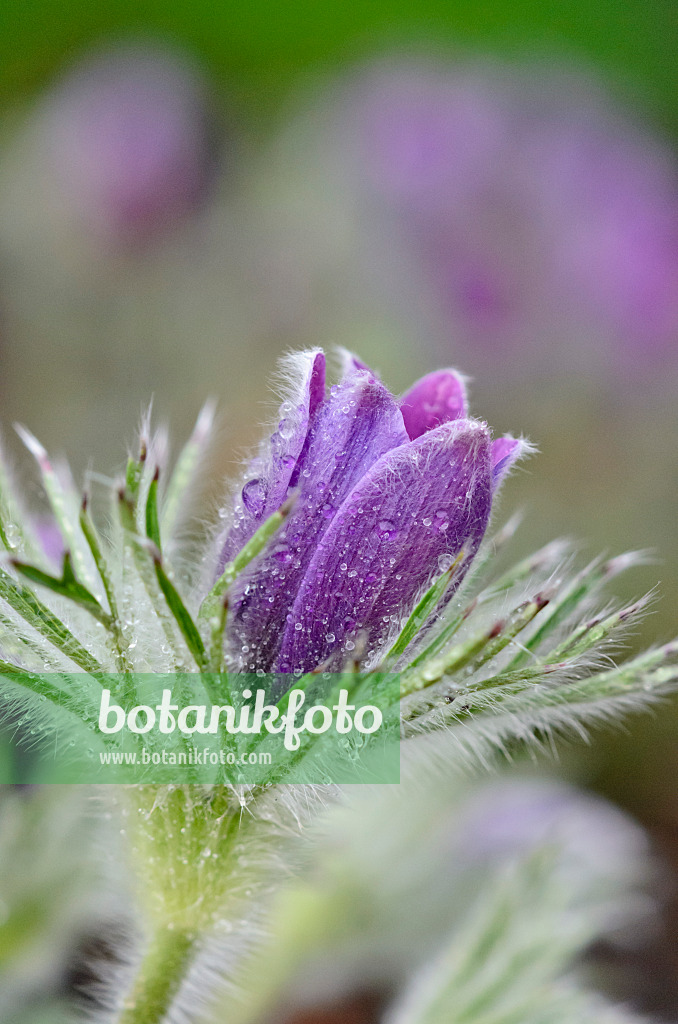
<point x="161" y="973"/>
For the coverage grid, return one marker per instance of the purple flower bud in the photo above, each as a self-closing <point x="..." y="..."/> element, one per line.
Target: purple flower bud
<point x="389" y="494"/>
<point x="505" y="451"/>
<point x="435" y="399"/>
<point x="131" y="137"/>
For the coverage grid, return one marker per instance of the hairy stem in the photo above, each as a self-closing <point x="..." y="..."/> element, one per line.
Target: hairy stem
<point x="161" y="973"/>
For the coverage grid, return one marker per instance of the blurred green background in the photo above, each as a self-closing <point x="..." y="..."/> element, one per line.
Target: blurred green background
<point x="258" y="50"/>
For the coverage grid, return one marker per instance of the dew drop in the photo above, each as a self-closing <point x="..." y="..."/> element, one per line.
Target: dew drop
<point x="386" y="529"/>
<point x="286" y="428"/>
<point x="254" y="496"/>
<point x="445" y="562"/>
<point x="277" y="443"/>
<point x="282" y="554"/>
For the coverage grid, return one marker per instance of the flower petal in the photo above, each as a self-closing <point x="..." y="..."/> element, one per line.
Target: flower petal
<point x="355" y="426"/>
<point x="273" y="471"/>
<point x="400" y="527"/>
<point x="505" y="453"/>
<point x="436" y="398"/>
<point x="349" y="361"/>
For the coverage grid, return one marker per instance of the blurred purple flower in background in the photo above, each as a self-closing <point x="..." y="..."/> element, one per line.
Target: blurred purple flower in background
<point x="131" y="134"/>
<point x="50" y="538"/>
<point x="512" y="817"/>
<point x="389" y="495"/>
<point x="527" y="212"/>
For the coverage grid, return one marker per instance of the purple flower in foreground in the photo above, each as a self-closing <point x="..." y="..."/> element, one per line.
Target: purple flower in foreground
<point x="389" y="494"/>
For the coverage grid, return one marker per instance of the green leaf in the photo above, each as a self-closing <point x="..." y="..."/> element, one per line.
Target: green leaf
<point x="250" y="550"/>
<point x="184" y="476"/>
<point x="65" y="516"/>
<point x="39" y="616"/>
<point x="67" y="587"/>
<point x="152" y="521"/>
<point x="567" y="602"/>
<point x="183" y="618"/>
<point x="424" y="609"/>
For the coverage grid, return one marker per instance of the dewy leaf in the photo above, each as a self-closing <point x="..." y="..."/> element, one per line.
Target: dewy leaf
<point x="567" y="601"/>
<point x="456" y="658"/>
<point x="15" y="530"/>
<point x="90" y="533"/>
<point x="183" y="618"/>
<point x="152" y="521"/>
<point x="80" y="705"/>
<point x="38" y="615"/>
<point x="254" y="546"/>
<point x="184" y="479"/>
<point x="424" y="610"/>
<point x="67" y="587"/>
<point x="60" y="501"/>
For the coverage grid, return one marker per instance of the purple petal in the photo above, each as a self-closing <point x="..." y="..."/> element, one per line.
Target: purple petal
<point x="399" y="528"/>
<point x="355" y="426"/>
<point x="505" y="453"/>
<point x="436" y="398"/>
<point x="349" y="362"/>
<point x="275" y="469"/>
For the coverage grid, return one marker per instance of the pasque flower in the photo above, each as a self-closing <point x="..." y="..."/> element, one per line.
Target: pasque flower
<point x="389" y="493"/>
<point x="359" y="510"/>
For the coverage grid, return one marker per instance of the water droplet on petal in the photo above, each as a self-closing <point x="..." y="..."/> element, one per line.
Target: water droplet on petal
<point x="286" y="429"/>
<point x="254" y="496"/>
<point x="277" y="444"/>
<point x="445" y="562"/>
<point x="386" y="529"/>
<point x="282" y="553"/>
<point x="442" y="520"/>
